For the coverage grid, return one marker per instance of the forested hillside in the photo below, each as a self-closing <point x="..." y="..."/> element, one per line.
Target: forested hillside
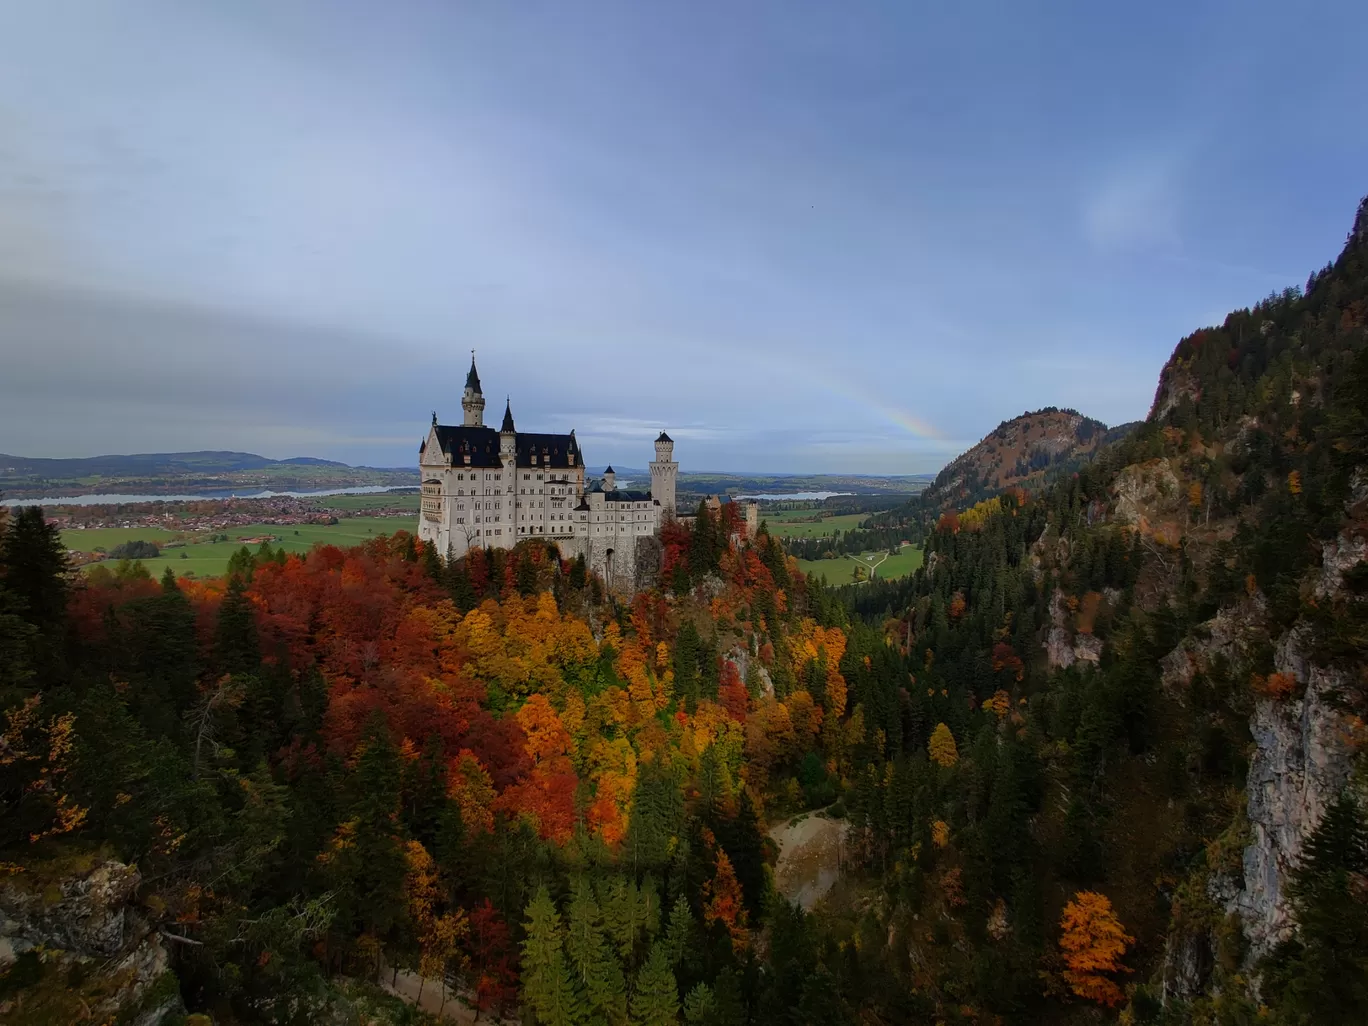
<point x="1023" y="452"/>
<point x="1099" y="760"/>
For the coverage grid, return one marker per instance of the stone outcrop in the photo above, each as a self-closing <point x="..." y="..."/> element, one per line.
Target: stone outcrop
<point x="1063" y="648"/>
<point x="1301" y="763"/>
<point x="86" y="914"/>
<point x="1144" y="491"/>
<point x="1176" y="384"/>
<point x="1337" y="558"/>
<point x="85" y="917"/>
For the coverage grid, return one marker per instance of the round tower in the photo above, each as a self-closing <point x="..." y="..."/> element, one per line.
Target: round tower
<point x="664" y="472"/>
<point x="472" y="399"/>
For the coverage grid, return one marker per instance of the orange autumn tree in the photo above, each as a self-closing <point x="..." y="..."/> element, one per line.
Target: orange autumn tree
<point x="1093" y="941"/>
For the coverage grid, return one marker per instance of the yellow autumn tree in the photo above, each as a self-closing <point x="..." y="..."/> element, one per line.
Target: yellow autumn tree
<point x="942" y="747"/>
<point x="940" y="833"/>
<point x="1093" y="941"/>
<point x="437" y="933"/>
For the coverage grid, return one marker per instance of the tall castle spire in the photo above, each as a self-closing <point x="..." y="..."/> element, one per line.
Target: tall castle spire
<point x="472" y="400"/>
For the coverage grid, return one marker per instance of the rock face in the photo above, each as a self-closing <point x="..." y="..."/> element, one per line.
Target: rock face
<point x="1144" y="490"/>
<point x="1337" y="557"/>
<point x="1063" y="649"/>
<point x="85" y="917"/>
<point x="1301" y="763"/>
<point x="89" y="917"/>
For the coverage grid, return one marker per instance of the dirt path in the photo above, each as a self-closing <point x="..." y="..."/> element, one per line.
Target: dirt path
<point x="435" y="1000"/>
<point x="810" y="853"/>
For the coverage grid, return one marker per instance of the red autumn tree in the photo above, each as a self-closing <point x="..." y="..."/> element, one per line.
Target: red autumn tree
<point x="731" y="692"/>
<point x="725" y="904"/>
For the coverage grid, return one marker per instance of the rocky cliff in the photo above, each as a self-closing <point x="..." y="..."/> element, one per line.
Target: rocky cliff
<point x="74" y="948"/>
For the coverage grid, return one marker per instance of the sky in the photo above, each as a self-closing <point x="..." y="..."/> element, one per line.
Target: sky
<point x="801" y="237"/>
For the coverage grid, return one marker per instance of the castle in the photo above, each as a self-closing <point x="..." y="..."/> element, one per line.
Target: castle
<point x="493" y="489"/>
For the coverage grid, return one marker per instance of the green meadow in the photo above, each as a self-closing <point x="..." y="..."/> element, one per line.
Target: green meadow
<point x="352" y="503"/>
<point x="842" y="569"/>
<point x="204" y="558"/>
<point x="799" y="523"/>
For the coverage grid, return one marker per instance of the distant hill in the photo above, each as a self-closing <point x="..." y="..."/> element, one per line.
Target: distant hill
<point x="205" y="462"/>
<point x="194" y="473"/>
<point x="1023" y="452"/>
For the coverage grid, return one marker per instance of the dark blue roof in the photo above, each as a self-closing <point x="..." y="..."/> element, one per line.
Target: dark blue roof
<point x="473" y="378"/>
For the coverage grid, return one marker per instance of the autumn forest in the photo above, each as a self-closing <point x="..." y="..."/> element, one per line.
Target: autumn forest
<point x="548" y="803"/>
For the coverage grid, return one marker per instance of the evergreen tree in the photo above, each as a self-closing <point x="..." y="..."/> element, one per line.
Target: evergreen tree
<point x="33" y="569"/>
<point x="686" y="666"/>
<point x="372" y="863"/>
<point x="679" y="934"/>
<point x="591" y="960"/>
<point x="236" y="648"/>
<point x="657" y="817"/>
<point x="547" y="984"/>
<point x="655" y="996"/>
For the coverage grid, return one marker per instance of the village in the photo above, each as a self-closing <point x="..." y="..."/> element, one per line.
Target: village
<point x="218" y="514"/>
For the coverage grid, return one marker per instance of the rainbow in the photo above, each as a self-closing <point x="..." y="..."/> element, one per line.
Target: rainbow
<point x="897" y="415"/>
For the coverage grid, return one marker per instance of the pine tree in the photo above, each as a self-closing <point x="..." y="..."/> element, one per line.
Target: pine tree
<point x="547" y="984"/>
<point x="655" y="996"/>
<point x="33" y="569"/>
<point x="679" y="934"/>
<point x="236" y="647"/>
<point x="700" y="1007"/>
<point x="592" y="961"/>
<point x="686" y="666"/>
<point x="373" y="864"/>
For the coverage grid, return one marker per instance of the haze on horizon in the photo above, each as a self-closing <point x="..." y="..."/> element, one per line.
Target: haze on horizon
<point x="799" y="236"/>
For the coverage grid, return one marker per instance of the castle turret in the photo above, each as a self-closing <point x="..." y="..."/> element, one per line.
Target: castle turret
<point x="664" y="472"/>
<point x="472" y="400"/>
<point x="610" y="480"/>
<point x="508" y="434"/>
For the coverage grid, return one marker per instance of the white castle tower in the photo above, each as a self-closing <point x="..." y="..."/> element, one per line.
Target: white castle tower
<point x="664" y="471"/>
<point x="472" y="400"/>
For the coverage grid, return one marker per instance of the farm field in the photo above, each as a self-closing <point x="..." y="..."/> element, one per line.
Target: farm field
<point x="377" y="501"/>
<point x="842" y="569"/>
<point x="210" y="559"/>
<point x="790" y="523"/>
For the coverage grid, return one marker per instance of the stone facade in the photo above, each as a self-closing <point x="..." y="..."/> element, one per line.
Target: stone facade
<point x="493" y="489"/>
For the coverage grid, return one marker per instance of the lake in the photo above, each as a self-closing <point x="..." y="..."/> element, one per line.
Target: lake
<point x="776" y="497"/>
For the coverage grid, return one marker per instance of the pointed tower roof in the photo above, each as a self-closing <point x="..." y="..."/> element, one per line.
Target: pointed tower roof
<point x="609" y="470"/>
<point x="508" y="416"/>
<point x="473" y="378"/>
<point x="664" y="438"/>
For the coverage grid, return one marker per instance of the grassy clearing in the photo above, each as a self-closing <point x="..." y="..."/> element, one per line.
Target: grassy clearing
<point x="379" y="501"/>
<point x="790" y="524"/>
<point x="210" y="559"/>
<point x="842" y="570"/>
